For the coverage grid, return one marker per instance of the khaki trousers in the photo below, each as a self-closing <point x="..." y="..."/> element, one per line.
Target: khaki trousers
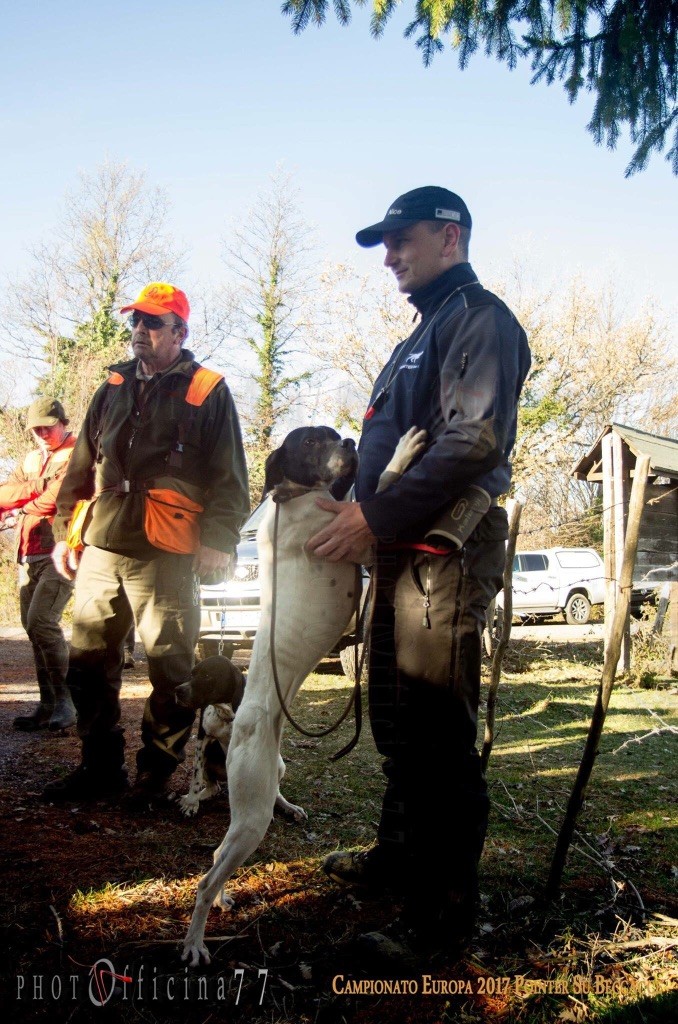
<point x="160" y="595"/>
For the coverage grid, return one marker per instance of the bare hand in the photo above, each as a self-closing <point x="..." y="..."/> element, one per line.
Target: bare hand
<point x="66" y="560"/>
<point x="347" y="537"/>
<point x="210" y="561"/>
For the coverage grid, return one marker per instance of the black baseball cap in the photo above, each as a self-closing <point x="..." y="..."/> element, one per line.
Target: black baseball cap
<point x="428" y="203"/>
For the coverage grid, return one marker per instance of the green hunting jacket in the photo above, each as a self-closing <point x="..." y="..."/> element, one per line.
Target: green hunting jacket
<point x="131" y="441"/>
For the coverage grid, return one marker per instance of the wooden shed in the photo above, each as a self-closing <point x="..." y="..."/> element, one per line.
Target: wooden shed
<point x="612" y="461"/>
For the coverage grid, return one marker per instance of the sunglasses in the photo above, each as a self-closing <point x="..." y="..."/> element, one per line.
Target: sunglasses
<point x="149" y="320"/>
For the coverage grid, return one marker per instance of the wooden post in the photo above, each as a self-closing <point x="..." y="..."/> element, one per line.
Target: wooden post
<point x="607" y="680"/>
<point x="673" y="628"/>
<point x="608" y="537"/>
<point x="514" y="526"/>
<point x="621" y="478"/>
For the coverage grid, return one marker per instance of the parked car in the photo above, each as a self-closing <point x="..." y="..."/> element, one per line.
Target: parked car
<point x="557" y="580"/>
<point x="230" y="612"/>
<point x="643" y="597"/>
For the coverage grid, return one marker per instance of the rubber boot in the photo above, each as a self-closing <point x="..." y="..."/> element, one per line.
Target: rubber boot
<point x="64" y="714"/>
<point x="101" y="773"/>
<point x="41" y="716"/>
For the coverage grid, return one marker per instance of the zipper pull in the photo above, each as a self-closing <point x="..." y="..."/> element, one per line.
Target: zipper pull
<point x="426" y="621"/>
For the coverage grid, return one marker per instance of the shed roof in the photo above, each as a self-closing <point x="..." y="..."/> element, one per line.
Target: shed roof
<point x="663" y="452"/>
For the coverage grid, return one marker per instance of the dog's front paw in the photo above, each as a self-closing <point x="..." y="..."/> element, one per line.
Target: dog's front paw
<point x="189" y="805"/>
<point x="409" y="445"/>
<point x="195" y="951"/>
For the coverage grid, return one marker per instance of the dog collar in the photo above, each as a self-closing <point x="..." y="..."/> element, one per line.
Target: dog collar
<point x="286" y="492"/>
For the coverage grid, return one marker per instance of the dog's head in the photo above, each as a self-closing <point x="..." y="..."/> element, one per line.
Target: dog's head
<point x="311" y="457"/>
<point x="215" y="680"/>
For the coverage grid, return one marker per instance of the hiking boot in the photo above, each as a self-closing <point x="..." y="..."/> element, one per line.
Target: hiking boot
<point x="394" y="947"/>
<point x="150" y="788"/>
<point x="398" y="947"/>
<point x="38" y="720"/>
<point x="129" y="660"/>
<point x="369" y="869"/>
<point x="83" y="784"/>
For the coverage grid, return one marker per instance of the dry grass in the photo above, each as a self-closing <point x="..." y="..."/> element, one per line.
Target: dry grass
<point x="97" y="881"/>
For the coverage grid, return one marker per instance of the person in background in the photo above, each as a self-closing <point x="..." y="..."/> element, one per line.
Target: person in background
<point x="30" y="495"/>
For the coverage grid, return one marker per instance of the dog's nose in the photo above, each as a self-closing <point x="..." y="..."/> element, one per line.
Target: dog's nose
<point x="349" y="443"/>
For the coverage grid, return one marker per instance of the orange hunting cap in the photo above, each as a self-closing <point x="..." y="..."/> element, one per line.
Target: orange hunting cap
<point x="160" y="298"/>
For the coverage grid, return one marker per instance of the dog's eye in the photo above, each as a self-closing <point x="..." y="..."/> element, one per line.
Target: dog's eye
<point x="310" y="441"/>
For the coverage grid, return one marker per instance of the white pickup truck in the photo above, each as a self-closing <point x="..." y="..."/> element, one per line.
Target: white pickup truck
<point x="553" y="580"/>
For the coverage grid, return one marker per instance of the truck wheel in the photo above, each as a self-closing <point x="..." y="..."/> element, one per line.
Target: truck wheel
<point x="347" y="656"/>
<point x="577" y="610"/>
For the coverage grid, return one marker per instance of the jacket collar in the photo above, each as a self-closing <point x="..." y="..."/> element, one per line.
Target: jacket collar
<point x="428" y="298"/>
<point x="184" y="365"/>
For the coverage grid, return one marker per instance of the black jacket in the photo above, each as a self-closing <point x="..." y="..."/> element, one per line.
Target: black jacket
<point x="458" y="376"/>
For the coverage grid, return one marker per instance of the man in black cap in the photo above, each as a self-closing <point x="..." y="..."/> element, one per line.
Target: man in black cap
<point x="459" y="376"/>
<point x="30" y="494"/>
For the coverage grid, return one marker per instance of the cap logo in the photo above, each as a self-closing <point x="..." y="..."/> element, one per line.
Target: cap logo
<point x="447" y="214"/>
<point x="393" y="212"/>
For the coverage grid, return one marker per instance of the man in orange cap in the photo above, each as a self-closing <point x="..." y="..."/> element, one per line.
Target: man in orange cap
<point x="161" y="455"/>
<point x="31" y="493"/>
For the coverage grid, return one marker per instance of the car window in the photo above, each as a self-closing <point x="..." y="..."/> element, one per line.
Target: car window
<point x="534" y="563"/>
<point x="578" y="559"/>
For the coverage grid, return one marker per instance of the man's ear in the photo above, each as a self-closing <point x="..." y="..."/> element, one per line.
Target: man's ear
<point x="275" y="472"/>
<point x="451" y="235"/>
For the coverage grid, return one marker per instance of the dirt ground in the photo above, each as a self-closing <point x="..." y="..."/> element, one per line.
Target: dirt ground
<point x="96" y="898"/>
<point x="96" y="888"/>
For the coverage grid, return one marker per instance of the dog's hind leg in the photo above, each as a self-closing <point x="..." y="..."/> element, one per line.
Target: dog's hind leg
<point x="253" y="786"/>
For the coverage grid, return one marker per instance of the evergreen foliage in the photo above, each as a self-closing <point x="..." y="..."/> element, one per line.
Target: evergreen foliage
<point x="623" y="51"/>
<point x="96" y="343"/>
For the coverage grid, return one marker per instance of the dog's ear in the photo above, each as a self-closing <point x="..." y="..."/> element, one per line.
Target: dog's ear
<point x="275" y="472"/>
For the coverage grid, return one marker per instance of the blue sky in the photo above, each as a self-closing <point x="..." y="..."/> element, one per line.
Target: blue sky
<point x="208" y="97"/>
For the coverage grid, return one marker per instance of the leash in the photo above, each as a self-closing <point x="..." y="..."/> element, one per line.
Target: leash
<point x="363" y="628"/>
<point x="355" y="698"/>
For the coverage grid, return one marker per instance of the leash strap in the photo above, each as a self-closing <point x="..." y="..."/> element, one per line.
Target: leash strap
<point x="363" y="629"/>
<point x="355" y="695"/>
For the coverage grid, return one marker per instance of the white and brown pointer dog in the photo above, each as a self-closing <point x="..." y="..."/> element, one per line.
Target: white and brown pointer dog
<point x="315" y="601"/>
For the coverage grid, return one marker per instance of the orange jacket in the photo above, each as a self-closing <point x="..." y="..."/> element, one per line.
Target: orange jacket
<point x="32" y="491"/>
